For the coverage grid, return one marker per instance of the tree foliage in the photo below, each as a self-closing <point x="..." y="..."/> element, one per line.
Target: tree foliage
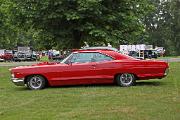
<point x="68" y="23"/>
<point x="175" y="25"/>
<point x="11" y="34"/>
<point x="163" y="26"/>
<point x="6" y="30"/>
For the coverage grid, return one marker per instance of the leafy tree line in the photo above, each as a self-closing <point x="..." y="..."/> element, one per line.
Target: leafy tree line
<point x="163" y="25"/>
<point x="68" y="23"/>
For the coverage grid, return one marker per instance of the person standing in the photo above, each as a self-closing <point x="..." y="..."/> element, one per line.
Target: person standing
<point x="109" y="45"/>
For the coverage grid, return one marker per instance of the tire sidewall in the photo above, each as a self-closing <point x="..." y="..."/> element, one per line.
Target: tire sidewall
<point x="42" y="80"/>
<point x="125" y="85"/>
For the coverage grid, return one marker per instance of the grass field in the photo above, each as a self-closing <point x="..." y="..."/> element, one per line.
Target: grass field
<point x="44" y="59"/>
<point x="148" y="100"/>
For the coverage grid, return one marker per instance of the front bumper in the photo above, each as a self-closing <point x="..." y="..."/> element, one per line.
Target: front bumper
<point x="18" y="81"/>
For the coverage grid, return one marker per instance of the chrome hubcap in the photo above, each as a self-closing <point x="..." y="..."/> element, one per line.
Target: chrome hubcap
<point x="126" y="79"/>
<point x="35" y="82"/>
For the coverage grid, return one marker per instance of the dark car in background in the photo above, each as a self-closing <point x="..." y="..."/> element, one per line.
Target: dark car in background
<point x="144" y="54"/>
<point x="150" y="54"/>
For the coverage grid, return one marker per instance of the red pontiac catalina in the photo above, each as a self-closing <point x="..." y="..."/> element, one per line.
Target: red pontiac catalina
<point x="90" y="66"/>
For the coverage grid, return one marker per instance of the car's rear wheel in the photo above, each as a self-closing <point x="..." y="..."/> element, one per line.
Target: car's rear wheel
<point x="36" y="82"/>
<point x="125" y="79"/>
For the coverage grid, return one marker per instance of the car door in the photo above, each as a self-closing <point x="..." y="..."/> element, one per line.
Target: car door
<point x="80" y="69"/>
<point x="105" y="68"/>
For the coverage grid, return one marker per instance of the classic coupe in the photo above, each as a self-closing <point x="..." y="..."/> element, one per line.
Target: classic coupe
<point x="89" y="66"/>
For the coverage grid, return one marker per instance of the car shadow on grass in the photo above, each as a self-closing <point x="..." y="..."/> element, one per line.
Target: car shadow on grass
<point x="90" y="85"/>
<point x="138" y="84"/>
<point x="21" y="89"/>
<point x="150" y="83"/>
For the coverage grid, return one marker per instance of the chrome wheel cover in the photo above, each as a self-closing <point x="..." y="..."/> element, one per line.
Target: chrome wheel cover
<point x="126" y="79"/>
<point x="35" y="82"/>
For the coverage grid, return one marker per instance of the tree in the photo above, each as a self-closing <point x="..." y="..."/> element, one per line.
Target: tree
<point x="175" y="24"/>
<point x="163" y="26"/>
<point x="68" y="23"/>
<point x="5" y="29"/>
<point x="11" y="34"/>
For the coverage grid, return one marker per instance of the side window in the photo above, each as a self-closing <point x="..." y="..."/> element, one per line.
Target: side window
<point x="82" y="57"/>
<point x="101" y="57"/>
<point x="87" y="57"/>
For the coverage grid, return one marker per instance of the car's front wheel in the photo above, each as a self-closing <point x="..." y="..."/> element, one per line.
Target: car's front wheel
<point x="125" y="79"/>
<point x="36" y="82"/>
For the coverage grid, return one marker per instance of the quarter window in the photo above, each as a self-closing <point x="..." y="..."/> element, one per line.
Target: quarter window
<point x="101" y="57"/>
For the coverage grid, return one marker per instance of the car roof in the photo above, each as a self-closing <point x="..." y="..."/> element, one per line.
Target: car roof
<point x="100" y="48"/>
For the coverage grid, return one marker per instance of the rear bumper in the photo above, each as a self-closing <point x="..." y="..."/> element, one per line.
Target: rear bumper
<point x="166" y="72"/>
<point x="18" y="81"/>
<point x="1" y="60"/>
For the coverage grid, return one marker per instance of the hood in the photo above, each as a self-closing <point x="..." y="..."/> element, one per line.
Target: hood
<point x="34" y="65"/>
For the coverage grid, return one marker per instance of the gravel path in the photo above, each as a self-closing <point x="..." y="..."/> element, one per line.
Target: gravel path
<point x="170" y="59"/>
<point x="13" y="64"/>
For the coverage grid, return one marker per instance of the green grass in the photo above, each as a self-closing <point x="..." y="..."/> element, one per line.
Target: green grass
<point x="44" y="59"/>
<point x="148" y="100"/>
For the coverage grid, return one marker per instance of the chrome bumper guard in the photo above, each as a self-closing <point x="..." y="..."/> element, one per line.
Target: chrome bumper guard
<point x="18" y="81"/>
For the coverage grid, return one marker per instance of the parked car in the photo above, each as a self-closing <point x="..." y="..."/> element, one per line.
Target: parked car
<point x="150" y="54"/>
<point x="133" y="54"/>
<point x="144" y="54"/>
<point x="25" y="54"/>
<point x="95" y="66"/>
<point x="56" y="55"/>
<point x="6" y="55"/>
<point x="1" y="55"/>
<point x="20" y="56"/>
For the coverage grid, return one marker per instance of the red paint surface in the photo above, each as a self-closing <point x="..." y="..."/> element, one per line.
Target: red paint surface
<point x="94" y="72"/>
<point x="7" y="56"/>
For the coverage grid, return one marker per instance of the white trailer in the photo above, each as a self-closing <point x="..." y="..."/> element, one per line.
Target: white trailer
<point x="139" y="48"/>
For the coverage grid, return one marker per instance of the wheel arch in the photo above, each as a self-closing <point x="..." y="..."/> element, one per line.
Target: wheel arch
<point x="26" y="78"/>
<point x="136" y="77"/>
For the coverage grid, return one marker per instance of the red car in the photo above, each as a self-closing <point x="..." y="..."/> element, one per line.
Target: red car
<point x="6" y="55"/>
<point x="96" y="66"/>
